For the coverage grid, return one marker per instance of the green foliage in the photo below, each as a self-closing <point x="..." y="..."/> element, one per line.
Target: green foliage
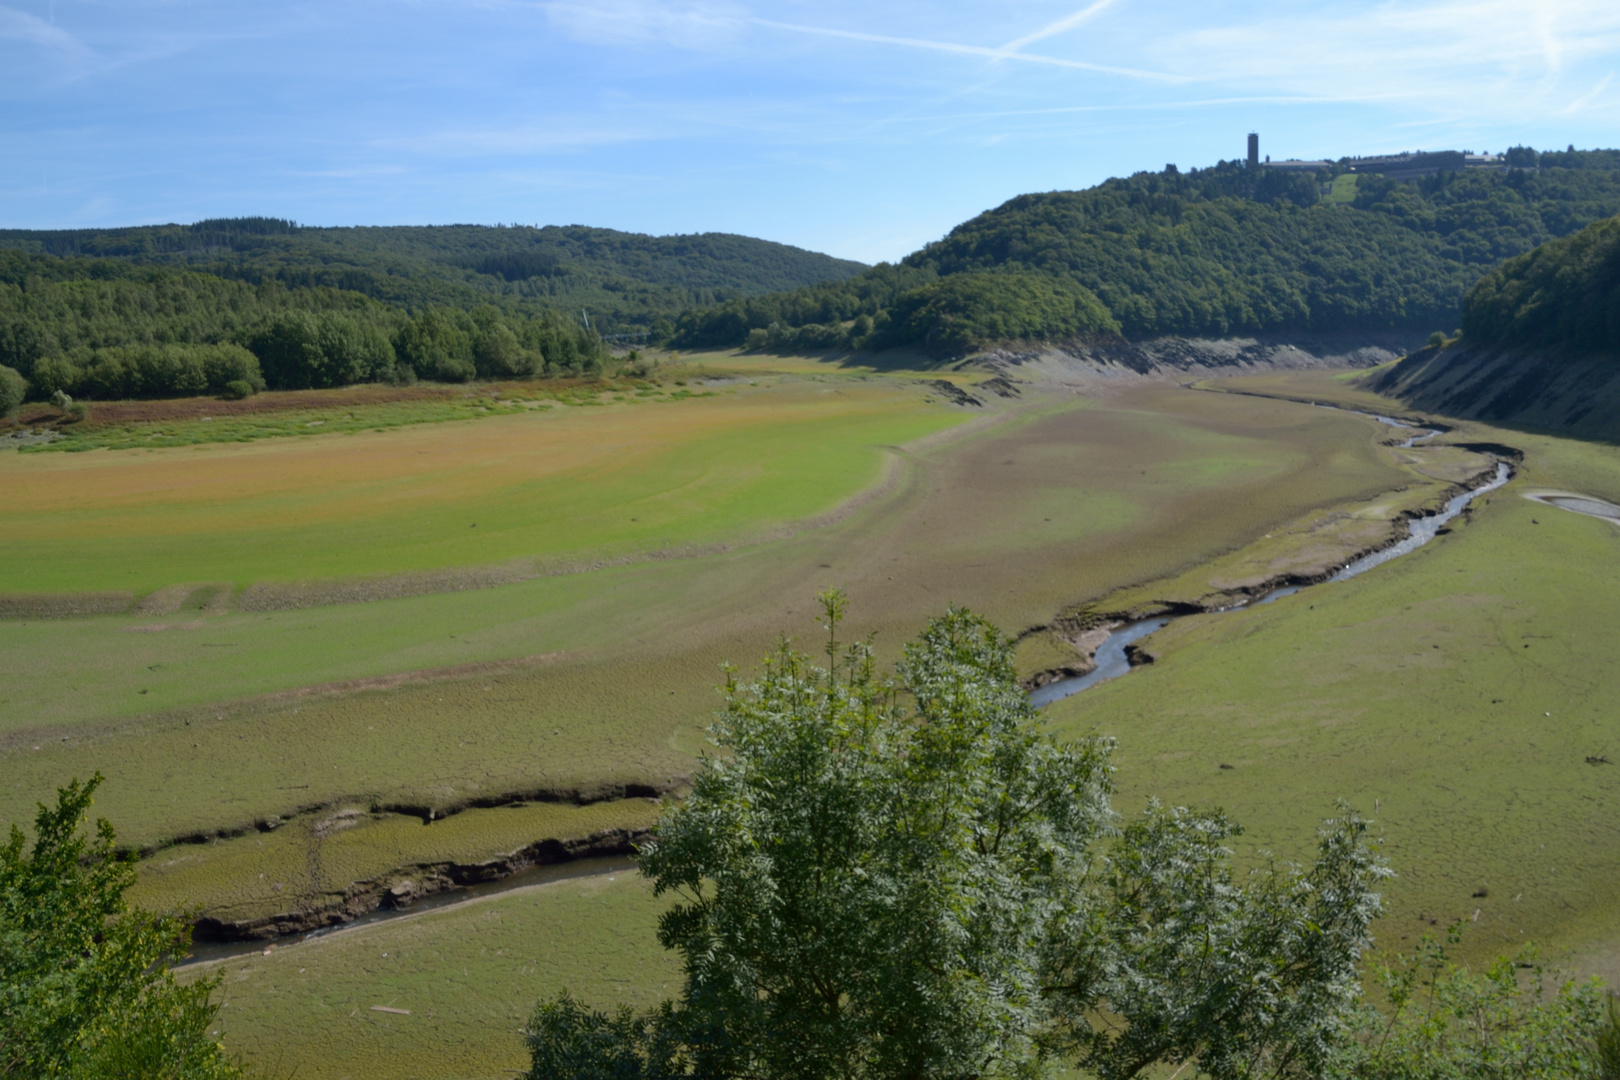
<point x="1226" y="250"/>
<point x="961" y="311"/>
<point x="626" y="281"/>
<point x="85" y="989"/>
<point x="151" y="371"/>
<point x="300" y="350"/>
<point x="907" y="879"/>
<point x="1257" y="979"/>
<point x="1445" y="1023"/>
<point x="1565" y="293"/>
<point x="106" y="329"/>
<point x="13" y="388"/>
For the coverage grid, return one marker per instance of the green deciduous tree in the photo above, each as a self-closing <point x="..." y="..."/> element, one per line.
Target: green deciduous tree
<point x="85" y="989"/>
<point x="13" y="388"/>
<point x="1179" y="962"/>
<point x="1444" y="1022"/>
<point x="906" y="879"/>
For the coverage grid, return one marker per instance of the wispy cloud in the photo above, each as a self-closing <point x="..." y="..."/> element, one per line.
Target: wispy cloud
<point x="985" y="51"/>
<point x="1503" y="54"/>
<point x="702" y="26"/>
<point x="20" y="26"/>
<point x="1062" y="26"/>
<point x="1586" y="99"/>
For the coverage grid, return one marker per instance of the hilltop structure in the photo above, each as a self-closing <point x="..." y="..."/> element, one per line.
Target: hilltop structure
<point x="1404" y="166"/>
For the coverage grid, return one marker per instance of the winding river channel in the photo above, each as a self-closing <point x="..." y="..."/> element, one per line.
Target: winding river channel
<point x="1113" y="658"/>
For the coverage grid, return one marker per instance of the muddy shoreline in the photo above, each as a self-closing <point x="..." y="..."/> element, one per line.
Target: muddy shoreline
<point x="400" y="888"/>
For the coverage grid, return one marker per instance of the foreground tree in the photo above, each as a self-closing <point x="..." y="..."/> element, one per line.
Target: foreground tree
<point x="1444" y="1022"/>
<point x="85" y="989"/>
<point x="906" y="879"/>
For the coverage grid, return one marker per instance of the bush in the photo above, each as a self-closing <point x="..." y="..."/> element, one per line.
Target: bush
<point x="13" y="389"/>
<point x="1509" y="1023"/>
<point x="1437" y="339"/>
<point x="237" y="389"/>
<point x="85" y="987"/>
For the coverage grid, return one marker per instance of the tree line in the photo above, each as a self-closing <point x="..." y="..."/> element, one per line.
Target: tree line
<point x="627" y="281"/>
<point x="1215" y="251"/>
<point x="105" y="329"/>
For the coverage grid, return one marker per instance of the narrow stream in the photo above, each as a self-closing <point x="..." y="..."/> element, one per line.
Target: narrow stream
<point x="1111" y="657"/>
<point x="204" y="951"/>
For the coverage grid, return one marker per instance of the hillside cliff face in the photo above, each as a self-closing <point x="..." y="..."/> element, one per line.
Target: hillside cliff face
<point x="1541" y="344"/>
<point x="1545" y="388"/>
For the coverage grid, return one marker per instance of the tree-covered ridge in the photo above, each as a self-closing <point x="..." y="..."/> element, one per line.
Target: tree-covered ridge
<point x="1220" y="251"/>
<point x="626" y="281"/>
<point x="1564" y="294"/>
<point x="107" y="329"/>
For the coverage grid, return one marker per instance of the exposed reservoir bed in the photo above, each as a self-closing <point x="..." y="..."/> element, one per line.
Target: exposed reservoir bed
<point x="1113" y="657"/>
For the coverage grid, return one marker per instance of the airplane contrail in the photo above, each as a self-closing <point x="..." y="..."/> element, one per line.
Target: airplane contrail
<point x="970" y="50"/>
<point x="1068" y="22"/>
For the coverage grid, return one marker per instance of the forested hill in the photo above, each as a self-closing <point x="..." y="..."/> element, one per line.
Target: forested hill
<point x="625" y="281"/>
<point x="1540" y="344"/>
<point x="1218" y="251"/>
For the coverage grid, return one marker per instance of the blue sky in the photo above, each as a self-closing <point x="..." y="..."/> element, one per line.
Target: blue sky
<point x="860" y="129"/>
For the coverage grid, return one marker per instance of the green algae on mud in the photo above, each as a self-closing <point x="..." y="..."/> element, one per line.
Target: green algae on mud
<point x="1458" y="695"/>
<point x="421" y="498"/>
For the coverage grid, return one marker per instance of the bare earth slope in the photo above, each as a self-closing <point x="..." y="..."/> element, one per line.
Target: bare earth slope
<point x="1533" y="388"/>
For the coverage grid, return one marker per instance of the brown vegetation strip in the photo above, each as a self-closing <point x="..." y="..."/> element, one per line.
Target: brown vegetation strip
<point x="347" y="397"/>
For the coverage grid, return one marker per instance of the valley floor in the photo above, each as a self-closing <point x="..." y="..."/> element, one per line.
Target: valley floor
<point x="343" y="728"/>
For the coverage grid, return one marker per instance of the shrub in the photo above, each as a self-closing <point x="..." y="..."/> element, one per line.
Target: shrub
<point x="85" y="987"/>
<point x="13" y="388"/>
<point x="237" y="389"/>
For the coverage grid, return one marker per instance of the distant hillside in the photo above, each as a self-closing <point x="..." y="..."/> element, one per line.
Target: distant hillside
<point x="1212" y="252"/>
<point x="625" y="281"/>
<point x="1540" y="344"/>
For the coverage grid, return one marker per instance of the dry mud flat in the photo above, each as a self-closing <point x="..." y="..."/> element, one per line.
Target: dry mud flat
<point x="1049" y="497"/>
<point x="1382" y="690"/>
